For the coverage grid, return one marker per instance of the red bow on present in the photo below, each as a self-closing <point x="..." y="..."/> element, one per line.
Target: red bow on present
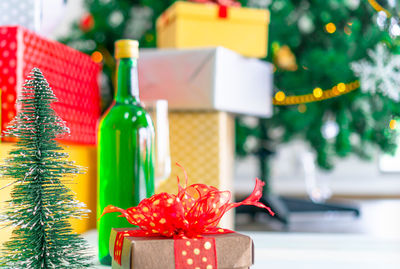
<point x="228" y="3"/>
<point x="195" y="210"/>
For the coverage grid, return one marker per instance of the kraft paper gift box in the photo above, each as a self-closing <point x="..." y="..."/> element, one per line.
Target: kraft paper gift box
<point x="188" y="25"/>
<point x="233" y="251"/>
<point x="72" y="75"/>
<point x="215" y="79"/>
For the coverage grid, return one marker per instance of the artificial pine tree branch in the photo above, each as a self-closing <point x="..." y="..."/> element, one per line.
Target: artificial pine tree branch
<point x="41" y="205"/>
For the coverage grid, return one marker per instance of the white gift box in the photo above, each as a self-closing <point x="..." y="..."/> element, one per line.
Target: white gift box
<point x="41" y="16"/>
<point x="206" y="79"/>
<point x="21" y="12"/>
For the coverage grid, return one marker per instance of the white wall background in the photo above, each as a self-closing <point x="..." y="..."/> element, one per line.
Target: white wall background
<point x="59" y="17"/>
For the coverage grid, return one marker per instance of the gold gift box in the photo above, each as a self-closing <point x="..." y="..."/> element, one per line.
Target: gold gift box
<point x="83" y="186"/>
<point x="189" y="25"/>
<point x="203" y="143"/>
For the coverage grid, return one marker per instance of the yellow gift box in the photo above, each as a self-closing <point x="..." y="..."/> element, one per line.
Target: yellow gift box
<point x="188" y="25"/>
<point x="83" y="186"/>
<point x="203" y="143"/>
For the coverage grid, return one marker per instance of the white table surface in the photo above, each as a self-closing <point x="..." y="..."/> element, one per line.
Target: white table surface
<point x="315" y="251"/>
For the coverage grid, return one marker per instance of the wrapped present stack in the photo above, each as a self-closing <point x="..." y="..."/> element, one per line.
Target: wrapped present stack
<point x="207" y="75"/>
<point x="74" y="79"/>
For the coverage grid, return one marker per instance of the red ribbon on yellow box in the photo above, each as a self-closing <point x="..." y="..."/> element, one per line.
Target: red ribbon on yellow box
<point x="227" y="3"/>
<point x="195" y="211"/>
<point x="222" y="5"/>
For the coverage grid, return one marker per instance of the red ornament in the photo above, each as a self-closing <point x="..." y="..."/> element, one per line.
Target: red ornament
<point x="87" y="22"/>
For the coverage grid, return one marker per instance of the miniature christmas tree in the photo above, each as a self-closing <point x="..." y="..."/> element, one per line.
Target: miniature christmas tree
<point x="40" y="204"/>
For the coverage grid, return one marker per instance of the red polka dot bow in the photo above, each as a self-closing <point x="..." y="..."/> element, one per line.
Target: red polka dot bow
<point x="195" y="210"/>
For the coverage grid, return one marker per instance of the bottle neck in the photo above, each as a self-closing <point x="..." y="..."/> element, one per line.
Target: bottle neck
<point x="127" y="81"/>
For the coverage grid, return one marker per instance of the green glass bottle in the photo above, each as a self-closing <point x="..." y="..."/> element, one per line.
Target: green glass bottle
<point x="125" y="149"/>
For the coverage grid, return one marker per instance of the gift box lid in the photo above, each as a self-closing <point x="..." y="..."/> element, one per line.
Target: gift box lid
<point x="210" y="11"/>
<point x="233" y="250"/>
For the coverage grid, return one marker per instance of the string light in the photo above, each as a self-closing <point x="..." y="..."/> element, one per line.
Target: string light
<point x="330" y="28"/>
<point x="318" y="94"/>
<point x="392" y="124"/>
<point x="97" y="57"/>
<point x="280" y="96"/>
<point x="302" y="108"/>
<point x="341" y="87"/>
<point x="378" y="7"/>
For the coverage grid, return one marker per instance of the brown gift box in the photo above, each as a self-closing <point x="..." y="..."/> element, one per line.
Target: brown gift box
<point x="234" y="251"/>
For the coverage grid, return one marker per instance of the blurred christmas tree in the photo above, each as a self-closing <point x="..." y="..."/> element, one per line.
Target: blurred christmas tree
<point x="312" y="46"/>
<point x="41" y="205"/>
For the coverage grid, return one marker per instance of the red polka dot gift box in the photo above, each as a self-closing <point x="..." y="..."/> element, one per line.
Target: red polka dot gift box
<point x="72" y="75"/>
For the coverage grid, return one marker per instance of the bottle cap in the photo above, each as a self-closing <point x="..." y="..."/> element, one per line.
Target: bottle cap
<point x="126" y="48"/>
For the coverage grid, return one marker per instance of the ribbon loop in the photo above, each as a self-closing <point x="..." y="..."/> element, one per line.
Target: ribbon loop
<point x="195" y="210"/>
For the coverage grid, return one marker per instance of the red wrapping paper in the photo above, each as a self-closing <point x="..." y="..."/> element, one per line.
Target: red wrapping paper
<point x="72" y="75"/>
